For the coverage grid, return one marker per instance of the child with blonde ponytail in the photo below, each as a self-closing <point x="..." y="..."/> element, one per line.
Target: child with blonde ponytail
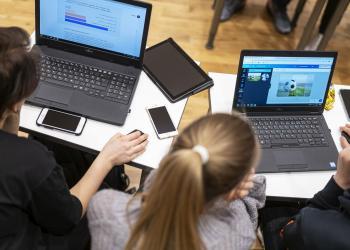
<point x="203" y="195"/>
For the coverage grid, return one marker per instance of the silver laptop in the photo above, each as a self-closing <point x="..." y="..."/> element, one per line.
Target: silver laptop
<point x="92" y="54"/>
<point x="283" y="93"/>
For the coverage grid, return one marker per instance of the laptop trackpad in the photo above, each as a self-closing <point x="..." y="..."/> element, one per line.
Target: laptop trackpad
<point x="290" y="160"/>
<point x="54" y="94"/>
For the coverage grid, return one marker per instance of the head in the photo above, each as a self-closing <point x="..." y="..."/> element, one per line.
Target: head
<point x="185" y="186"/>
<point x="18" y="78"/>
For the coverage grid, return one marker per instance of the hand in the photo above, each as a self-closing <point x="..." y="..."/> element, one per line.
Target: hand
<point x="243" y="188"/>
<point x="342" y="176"/>
<point x="121" y="149"/>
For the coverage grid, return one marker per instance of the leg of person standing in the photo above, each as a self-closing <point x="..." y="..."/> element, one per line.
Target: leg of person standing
<point x="230" y="8"/>
<point x="278" y="10"/>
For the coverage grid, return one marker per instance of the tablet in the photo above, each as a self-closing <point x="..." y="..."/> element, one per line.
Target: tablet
<point x="173" y="71"/>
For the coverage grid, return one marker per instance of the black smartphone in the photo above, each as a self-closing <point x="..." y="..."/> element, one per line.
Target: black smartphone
<point x="345" y="96"/>
<point x="161" y="121"/>
<point x="63" y="121"/>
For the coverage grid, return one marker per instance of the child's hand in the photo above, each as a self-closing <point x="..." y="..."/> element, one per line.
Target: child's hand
<point x="243" y="188"/>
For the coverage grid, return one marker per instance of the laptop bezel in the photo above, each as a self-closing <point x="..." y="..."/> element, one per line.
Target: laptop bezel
<point x="283" y="109"/>
<point x="94" y="52"/>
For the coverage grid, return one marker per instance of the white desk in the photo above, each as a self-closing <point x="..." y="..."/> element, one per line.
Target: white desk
<point x="96" y="134"/>
<point x="286" y="185"/>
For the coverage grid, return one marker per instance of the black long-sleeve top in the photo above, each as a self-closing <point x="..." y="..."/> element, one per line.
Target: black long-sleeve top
<point x="324" y="223"/>
<point x="34" y="198"/>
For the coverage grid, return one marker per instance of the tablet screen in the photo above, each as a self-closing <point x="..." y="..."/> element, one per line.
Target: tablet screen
<point x="173" y="69"/>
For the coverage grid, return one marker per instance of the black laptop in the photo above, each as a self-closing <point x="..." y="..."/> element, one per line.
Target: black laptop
<point x="92" y="54"/>
<point x="283" y="93"/>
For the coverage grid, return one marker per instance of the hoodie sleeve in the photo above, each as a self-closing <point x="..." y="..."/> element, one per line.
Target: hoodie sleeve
<point x="256" y="199"/>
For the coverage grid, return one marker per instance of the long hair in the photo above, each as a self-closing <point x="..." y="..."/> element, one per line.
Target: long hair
<point x="183" y="186"/>
<point x="18" y="73"/>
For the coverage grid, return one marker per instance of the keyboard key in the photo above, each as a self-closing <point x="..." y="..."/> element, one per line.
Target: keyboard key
<point x="90" y="80"/>
<point x="288" y="131"/>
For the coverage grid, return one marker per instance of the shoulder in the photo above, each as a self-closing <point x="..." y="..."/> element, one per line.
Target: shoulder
<point x="227" y="226"/>
<point x="25" y="158"/>
<point x="40" y="152"/>
<point x="109" y="220"/>
<point x="25" y="150"/>
<point x="108" y="204"/>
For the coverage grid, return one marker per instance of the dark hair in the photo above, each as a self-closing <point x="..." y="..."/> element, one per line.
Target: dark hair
<point x="18" y="75"/>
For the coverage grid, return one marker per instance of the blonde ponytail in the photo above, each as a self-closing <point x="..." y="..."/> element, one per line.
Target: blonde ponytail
<point x="169" y="219"/>
<point x="207" y="160"/>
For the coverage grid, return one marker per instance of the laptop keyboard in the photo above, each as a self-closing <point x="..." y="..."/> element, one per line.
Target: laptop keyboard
<point x="92" y="81"/>
<point x="288" y="131"/>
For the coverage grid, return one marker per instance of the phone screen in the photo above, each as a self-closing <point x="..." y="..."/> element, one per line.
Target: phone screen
<point x="61" y="120"/>
<point x="161" y="120"/>
<point x="345" y="95"/>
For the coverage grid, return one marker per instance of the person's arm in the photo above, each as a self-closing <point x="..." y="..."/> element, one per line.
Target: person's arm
<point x="256" y="198"/>
<point x="119" y="149"/>
<point x="328" y="198"/>
<point x="342" y="176"/>
<point x="54" y="207"/>
<point x="252" y="192"/>
<point x="327" y="202"/>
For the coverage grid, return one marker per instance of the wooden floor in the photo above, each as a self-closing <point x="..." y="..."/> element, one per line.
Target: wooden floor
<point x="188" y="22"/>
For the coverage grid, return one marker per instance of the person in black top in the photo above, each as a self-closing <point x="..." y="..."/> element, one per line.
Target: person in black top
<point x="35" y="201"/>
<point x="323" y="223"/>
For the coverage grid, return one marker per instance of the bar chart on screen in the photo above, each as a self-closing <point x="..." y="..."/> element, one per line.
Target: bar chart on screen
<point x="104" y="24"/>
<point x="89" y="14"/>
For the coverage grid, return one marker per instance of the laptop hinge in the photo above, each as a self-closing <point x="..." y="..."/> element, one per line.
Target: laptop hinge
<point x="281" y="113"/>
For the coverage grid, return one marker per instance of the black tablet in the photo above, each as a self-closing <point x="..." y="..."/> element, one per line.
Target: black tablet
<point x="173" y="71"/>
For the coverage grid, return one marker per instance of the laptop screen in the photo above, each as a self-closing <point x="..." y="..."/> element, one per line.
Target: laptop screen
<point x="104" y="24"/>
<point x="267" y="81"/>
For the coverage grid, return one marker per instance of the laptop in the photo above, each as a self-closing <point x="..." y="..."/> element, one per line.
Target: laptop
<point x="283" y="94"/>
<point x="92" y="52"/>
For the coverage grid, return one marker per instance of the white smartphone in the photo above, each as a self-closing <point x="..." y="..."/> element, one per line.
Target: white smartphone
<point x="61" y="120"/>
<point x="161" y="121"/>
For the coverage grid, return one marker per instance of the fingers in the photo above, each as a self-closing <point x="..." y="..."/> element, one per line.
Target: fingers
<point x="250" y="177"/>
<point x="247" y="185"/>
<point x="243" y="193"/>
<point x="135" y="151"/>
<point x="343" y="142"/>
<point x="345" y="129"/>
<point x="139" y="140"/>
<point x="132" y="136"/>
<point x="139" y="147"/>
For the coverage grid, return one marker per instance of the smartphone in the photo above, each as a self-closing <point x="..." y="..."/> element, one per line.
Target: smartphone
<point x="345" y="96"/>
<point x="55" y="119"/>
<point x="161" y="121"/>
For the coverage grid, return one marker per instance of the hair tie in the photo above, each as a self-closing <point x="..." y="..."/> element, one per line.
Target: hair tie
<point x="203" y="153"/>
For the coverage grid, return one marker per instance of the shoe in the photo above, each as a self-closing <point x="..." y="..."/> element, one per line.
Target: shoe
<point x="231" y="7"/>
<point x="280" y="18"/>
